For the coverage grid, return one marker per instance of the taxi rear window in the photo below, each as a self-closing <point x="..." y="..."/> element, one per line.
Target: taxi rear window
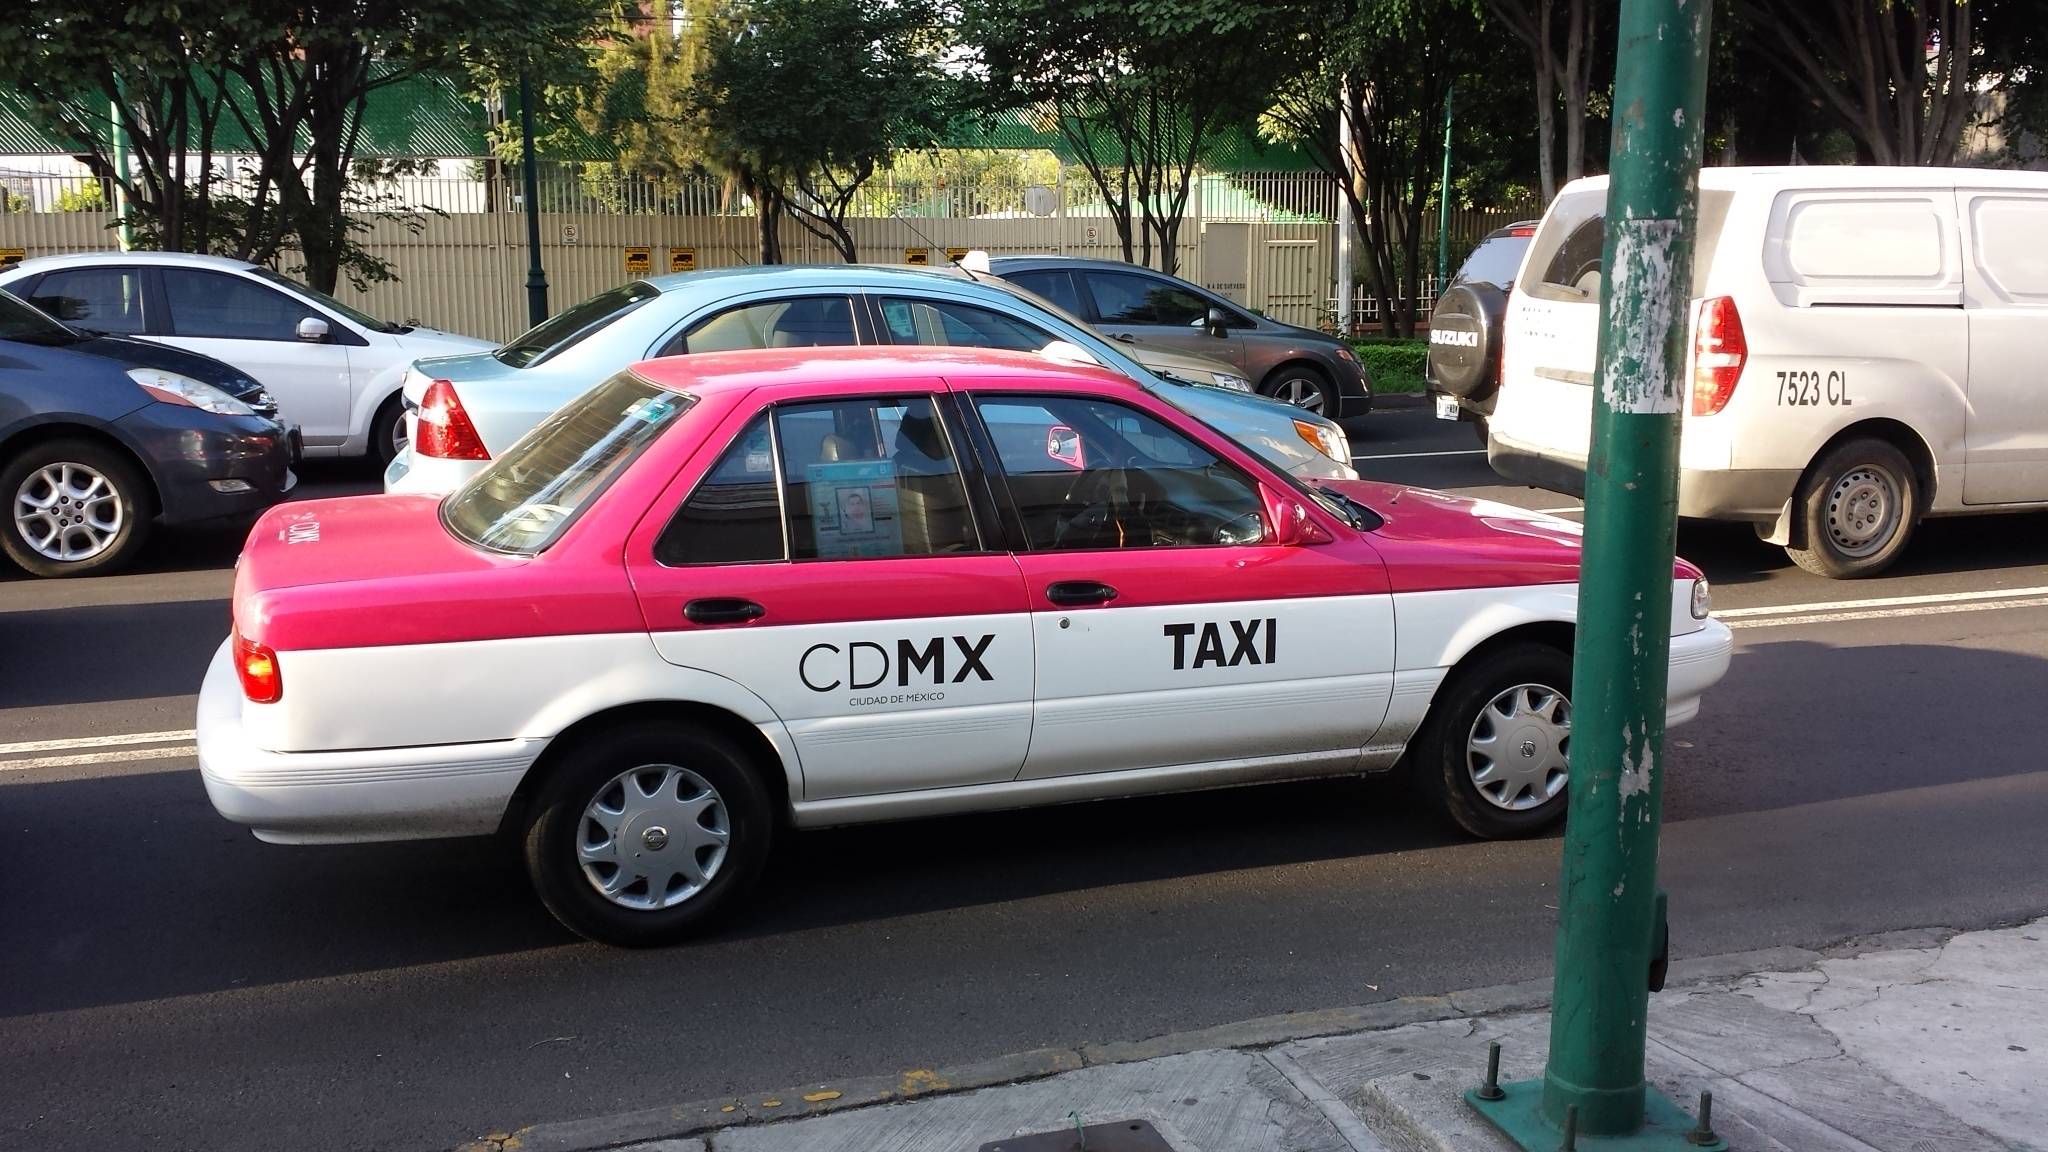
<point x="527" y="497"/>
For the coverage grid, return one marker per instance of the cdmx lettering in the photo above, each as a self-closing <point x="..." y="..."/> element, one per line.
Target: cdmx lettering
<point x="868" y="664"/>
<point x="1246" y="646"/>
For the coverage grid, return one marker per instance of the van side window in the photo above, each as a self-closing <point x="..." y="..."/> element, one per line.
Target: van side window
<point x="1565" y="257"/>
<point x="2008" y="232"/>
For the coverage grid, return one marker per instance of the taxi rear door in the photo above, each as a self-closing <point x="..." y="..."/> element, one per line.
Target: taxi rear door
<point x="821" y="551"/>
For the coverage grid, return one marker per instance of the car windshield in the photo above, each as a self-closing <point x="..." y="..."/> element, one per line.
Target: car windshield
<point x="551" y="337"/>
<point x="355" y="315"/>
<point x="525" y="499"/>
<point x="25" y="324"/>
<point x="1495" y="261"/>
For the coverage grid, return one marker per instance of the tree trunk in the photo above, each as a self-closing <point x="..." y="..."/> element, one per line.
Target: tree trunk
<point x="1546" y="125"/>
<point x="1578" y="61"/>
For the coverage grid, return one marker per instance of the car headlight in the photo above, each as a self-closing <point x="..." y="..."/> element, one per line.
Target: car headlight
<point x="1347" y="352"/>
<point x="172" y="388"/>
<point x="1234" y="383"/>
<point x="1702" y="599"/>
<point x="1325" y="439"/>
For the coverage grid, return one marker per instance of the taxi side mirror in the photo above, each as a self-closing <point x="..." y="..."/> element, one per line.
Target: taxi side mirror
<point x="1291" y="524"/>
<point x="1064" y="445"/>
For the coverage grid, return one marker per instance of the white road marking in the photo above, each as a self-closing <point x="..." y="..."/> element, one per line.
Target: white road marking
<point x="1419" y="455"/>
<point x="114" y="757"/>
<point x="1884" y="602"/>
<point x="1886" y="613"/>
<point x="97" y="741"/>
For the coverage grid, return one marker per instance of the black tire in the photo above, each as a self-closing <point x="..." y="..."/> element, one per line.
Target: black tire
<point x="1479" y="425"/>
<point x="556" y="828"/>
<point x="1464" y="345"/>
<point x="131" y="504"/>
<point x="385" y="428"/>
<point x="1316" y="393"/>
<point x="1858" y="507"/>
<point x="1441" y="759"/>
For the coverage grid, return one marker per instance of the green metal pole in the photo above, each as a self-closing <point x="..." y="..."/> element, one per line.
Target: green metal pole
<point x="536" y="275"/>
<point x="1608" y="906"/>
<point x="1443" y="198"/>
<point x="124" y="230"/>
<point x="1608" y="898"/>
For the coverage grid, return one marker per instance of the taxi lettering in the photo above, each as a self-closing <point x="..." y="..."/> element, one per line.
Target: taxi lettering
<point x="868" y="664"/>
<point x="1251" y="642"/>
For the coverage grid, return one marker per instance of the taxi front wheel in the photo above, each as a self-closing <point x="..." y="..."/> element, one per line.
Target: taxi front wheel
<point x="646" y="835"/>
<point x="1494" y="753"/>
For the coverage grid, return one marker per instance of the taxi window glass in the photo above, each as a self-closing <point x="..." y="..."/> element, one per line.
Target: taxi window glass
<point x="1088" y="474"/>
<point x="871" y="477"/>
<point x="735" y="514"/>
<point x="525" y="498"/>
<point x="805" y="322"/>
<point x="860" y="479"/>
<point x="950" y="324"/>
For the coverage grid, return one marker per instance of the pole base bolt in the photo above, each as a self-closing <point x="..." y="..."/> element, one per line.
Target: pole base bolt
<point x="1702" y="1133"/>
<point x="1491" y="1090"/>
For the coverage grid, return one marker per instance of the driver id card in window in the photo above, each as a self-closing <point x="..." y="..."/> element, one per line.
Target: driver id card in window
<point x="853" y="508"/>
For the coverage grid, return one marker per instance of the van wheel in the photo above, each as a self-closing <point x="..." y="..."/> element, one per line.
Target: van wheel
<point x="74" y="508"/>
<point x="648" y="834"/>
<point x="1859" y="505"/>
<point x="1495" y="753"/>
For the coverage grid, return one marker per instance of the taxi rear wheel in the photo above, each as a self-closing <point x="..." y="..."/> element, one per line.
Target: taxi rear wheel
<point x="1494" y="752"/>
<point x="647" y="835"/>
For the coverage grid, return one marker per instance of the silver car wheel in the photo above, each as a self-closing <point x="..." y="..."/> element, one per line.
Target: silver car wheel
<point x="653" y="837"/>
<point x="68" y="512"/>
<point x="1863" y="510"/>
<point x="1301" y="392"/>
<point x="398" y="437"/>
<point x="1519" y="752"/>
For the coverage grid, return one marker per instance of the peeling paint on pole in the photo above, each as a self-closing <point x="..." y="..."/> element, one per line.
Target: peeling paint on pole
<point x="1636" y="375"/>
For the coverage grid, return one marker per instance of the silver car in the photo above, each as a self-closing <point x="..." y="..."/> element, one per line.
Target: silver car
<point x="462" y="411"/>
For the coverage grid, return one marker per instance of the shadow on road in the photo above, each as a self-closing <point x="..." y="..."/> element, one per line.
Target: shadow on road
<point x="106" y="653"/>
<point x="175" y="901"/>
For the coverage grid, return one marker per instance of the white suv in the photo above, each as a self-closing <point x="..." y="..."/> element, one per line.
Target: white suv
<point x="334" y="370"/>
<point x="1865" y="349"/>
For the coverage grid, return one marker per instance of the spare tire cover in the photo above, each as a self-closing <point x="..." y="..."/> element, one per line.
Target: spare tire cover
<point x="1464" y="339"/>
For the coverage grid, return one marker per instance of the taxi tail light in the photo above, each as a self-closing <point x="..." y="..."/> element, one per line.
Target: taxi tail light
<point x="1719" y="351"/>
<point x="256" y="664"/>
<point x="443" y="429"/>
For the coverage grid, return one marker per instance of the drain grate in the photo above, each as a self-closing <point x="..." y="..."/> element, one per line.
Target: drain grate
<point x="1114" y="1136"/>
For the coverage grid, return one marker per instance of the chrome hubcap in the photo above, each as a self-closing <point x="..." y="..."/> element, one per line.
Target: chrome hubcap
<point x="398" y="438"/>
<point x="653" y="837"/>
<point x="68" y="512"/>
<point x="1863" y="510"/>
<point x="1302" y="393"/>
<point x="1519" y="753"/>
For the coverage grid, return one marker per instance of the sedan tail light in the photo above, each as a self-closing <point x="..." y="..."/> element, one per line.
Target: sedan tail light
<point x="256" y="665"/>
<point x="443" y="429"/>
<point x="1719" y="351"/>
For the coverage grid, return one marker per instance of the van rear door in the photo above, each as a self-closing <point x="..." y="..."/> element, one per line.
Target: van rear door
<point x="2005" y="297"/>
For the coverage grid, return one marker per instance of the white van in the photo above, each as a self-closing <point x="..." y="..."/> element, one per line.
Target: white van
<point x="1869" y="346"/>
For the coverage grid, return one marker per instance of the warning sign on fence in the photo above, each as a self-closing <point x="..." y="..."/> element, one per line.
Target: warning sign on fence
<point x="639" y="261"/>
<point x="9" y="257"/>
<point x="956" y="255"/>
<point x="682" y="259"/>
<point x="917" y="256"/>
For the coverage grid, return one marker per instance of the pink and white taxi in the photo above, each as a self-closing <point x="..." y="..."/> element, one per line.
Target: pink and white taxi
<point x="722" y="595"/>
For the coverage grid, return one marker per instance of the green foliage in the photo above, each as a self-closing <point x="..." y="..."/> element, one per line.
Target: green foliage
<point x="1396" y="366"/>
<point x="84" y="197"/>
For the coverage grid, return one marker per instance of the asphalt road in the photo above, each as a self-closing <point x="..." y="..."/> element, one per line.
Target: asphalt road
<point x="168" y="982"/>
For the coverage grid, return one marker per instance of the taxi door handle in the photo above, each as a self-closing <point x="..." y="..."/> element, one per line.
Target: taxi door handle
<point x="722" y="610"/>
<point x="1076" y="592"/>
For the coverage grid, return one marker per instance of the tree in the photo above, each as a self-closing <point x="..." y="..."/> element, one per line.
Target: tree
<point x="1138" y="89"/>
<point x="1389" y="64"/>
<point x="1537" y="25"/>
<point x="1904" y="78"/>
<point x="801" y="101"/>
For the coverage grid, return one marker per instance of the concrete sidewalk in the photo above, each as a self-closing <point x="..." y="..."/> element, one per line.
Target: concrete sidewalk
<point x="1922" y="1041"/>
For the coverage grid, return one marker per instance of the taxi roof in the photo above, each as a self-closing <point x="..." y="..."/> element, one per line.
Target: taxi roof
<point x="709" y="373"/>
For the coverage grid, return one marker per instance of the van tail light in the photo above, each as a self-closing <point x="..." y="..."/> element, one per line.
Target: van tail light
<point x="256" y="664"/>
<point x="1718" y="352"/>
<point x="442" y="429"/>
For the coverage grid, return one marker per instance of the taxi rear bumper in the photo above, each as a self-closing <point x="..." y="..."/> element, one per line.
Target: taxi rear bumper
<point x="358" y="795"/>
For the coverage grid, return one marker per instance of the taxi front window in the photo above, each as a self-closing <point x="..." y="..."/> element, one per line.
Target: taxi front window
<point x="527" y="497"/>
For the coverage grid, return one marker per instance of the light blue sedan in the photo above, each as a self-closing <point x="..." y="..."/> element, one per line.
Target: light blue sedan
<point x="464" y="410"/>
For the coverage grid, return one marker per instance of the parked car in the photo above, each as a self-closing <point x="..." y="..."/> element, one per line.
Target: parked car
<point x="1864" y="353"/>
<point x="464" y="411"/>
<point x="722" y="594"/>
<point x="96" y="443"/>
<point x="1463" y="369"/>
<point x="1305" y="368"/>
<point x="334" y="370"/>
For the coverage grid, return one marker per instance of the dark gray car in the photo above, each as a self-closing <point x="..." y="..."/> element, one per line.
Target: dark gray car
<point x="97" y="443"/>
<point x="1306" y="368"/>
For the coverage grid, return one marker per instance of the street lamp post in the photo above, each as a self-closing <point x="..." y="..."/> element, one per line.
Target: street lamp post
<point x="1609" y="909"/>
<point x="536" y="276"/>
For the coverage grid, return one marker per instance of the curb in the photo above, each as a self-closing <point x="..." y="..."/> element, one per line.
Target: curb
<point x="697" y="1118"/>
